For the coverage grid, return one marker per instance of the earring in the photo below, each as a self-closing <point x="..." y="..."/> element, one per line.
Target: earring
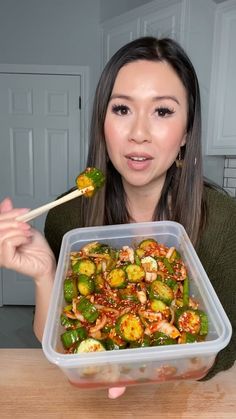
<point x="179" y="161"/>
<point x="107" y="157"/>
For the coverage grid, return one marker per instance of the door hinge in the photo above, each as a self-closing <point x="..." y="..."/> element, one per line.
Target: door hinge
<point x="79" y="102"/>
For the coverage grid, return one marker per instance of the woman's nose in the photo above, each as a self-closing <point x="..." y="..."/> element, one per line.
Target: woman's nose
<point x="139" y="132"/>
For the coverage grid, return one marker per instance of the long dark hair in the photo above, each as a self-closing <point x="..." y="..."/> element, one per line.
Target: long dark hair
<point x="181" y="197"/>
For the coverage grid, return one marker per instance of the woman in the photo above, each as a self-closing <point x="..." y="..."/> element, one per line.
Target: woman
<point x="146" y="138"/>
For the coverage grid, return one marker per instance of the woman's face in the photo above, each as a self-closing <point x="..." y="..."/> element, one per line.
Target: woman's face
<point x="145" y="123"/>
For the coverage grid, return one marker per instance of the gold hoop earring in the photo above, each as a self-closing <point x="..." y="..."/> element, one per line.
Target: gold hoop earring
<point x="179" y="161"/>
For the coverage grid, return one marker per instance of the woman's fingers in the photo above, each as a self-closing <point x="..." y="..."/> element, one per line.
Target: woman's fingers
<point x="7" y="226"/>
<point x="23" y="248"/>
<point x="9" y="233"/>
<point x="115" y="392"/>
<point x="12" y="214"/>
<point x="8" y="216"/>
<point x="6" y="205"/>
<point x="9" y="257"/>
<point x="13" y="235"/>
<point x="7" y="212"/>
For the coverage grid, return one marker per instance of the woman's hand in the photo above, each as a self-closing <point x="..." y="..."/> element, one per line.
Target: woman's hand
<point x="115" y="392"/>
<point x="23" y="248"/>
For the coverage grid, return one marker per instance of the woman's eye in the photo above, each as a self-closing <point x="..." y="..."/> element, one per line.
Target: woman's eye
<point x="162" y="112"/>
<point x="120" y="109"/>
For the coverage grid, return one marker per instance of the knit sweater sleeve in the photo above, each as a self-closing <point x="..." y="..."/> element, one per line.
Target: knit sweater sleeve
<point x="59" y="221"/>
<point x="217" y="252"/>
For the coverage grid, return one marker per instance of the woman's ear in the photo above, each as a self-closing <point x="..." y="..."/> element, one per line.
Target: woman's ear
<point x="183" y="141"/>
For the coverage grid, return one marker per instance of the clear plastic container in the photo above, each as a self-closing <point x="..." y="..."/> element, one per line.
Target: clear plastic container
<point x="138" y="365"/>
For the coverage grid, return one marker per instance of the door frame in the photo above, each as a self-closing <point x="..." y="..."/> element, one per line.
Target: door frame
<point x="83" y="73"/>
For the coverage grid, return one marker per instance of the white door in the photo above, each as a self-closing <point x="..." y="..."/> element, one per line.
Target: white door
<point x="39" y="150"/>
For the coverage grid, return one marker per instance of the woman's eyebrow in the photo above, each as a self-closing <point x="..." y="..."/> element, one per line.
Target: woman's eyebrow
<point x="154" y="99"/>
<point x="168" y="97"/>
<point x="120" y="96"/>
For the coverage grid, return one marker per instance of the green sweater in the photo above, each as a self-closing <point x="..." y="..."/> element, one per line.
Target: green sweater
<point x="217" y="252"/>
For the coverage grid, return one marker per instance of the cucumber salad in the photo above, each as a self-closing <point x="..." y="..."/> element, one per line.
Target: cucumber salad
<point x="127" y="298"/>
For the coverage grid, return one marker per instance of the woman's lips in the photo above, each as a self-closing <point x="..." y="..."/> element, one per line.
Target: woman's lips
<point x="138" y="162"/>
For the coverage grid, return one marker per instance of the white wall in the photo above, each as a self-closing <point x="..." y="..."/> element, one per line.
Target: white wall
<point x="52" y="32"/>
<point x="66" y="32"/>
<point x="56" y="32"/>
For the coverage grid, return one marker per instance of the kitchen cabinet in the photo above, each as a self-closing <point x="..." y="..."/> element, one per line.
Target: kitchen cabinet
<point x="158" y="18"/>
<point x="222" y="121"/>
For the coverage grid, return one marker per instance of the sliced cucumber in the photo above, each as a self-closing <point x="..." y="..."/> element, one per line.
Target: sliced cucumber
<point x="149" y="264"/>
<point x="116" y="278"/>
<point x="135" y="273"/>
<point x="161" y="291"/>
<point x="84" y="266"/>
<point x="90" y="345"/>
<point x="129" y="327"/>
<point x="147" y="244"/>
<point x="85" y="284"/>
<point x="90" y="177"/>
<point x="70" y="289"/>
